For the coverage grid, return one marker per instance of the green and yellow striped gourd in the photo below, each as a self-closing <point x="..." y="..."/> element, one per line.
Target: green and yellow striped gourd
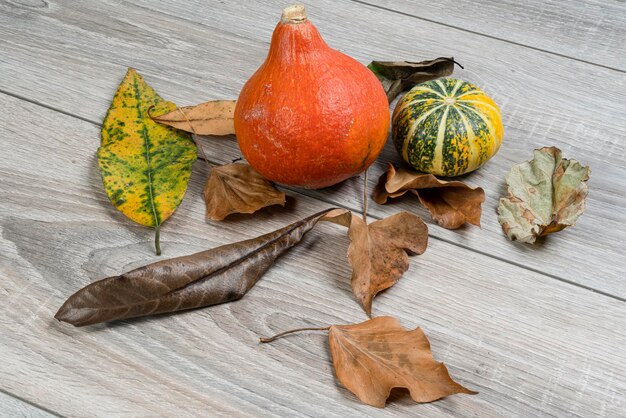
<point x="447" y="127"/>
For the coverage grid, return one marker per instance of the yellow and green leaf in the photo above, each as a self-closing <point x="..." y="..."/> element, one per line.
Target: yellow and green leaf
<point x="145" y="166"/>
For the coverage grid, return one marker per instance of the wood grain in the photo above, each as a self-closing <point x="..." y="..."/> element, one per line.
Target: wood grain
<point x="13" y="407"/>
<point x="529" y="344"/>
<point x="505" y="318"/>
<point x="83" y="58"/>
<point x="586" y="30"/>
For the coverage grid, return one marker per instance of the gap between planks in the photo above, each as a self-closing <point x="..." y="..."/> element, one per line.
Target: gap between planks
<point x="37" y="408"/>
<point x="358" y="210"/>
<point x="436" y="22"/>
<point x="473" y="32"/>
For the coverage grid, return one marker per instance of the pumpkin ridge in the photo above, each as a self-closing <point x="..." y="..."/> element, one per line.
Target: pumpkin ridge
<point x="442" y="87"/>
<point x="487" y="121"/>
<point x="475" y="155"/>
<point x="437" y="163"/>
<point x="411" y="132"/>
<point x="458" y="84"/>
<point x="477" y="91"/>
<point x="429" y="90"/>
<point x="495" y="108"/>
<point x="399" y="109"/>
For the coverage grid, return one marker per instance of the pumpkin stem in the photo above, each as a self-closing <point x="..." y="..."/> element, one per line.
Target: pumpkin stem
<point x="294" y="14"/>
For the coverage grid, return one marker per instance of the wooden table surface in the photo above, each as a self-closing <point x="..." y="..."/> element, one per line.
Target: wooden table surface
<point x="537" y="330"/>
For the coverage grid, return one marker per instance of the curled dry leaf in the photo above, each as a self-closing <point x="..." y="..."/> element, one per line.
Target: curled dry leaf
<point x="145" y="166"/>
<point x="378" y="251"/>
<point x="377" y="355"/>
<point x="209" y="118"/>
<point x="450" y="203"/>
<point x="398" y="76"/>
<point x="219" y="275"/>
<point x="238" y="188"/>
<point x="546" y="195"/>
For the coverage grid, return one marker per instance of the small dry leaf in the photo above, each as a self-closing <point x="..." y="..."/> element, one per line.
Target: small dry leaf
<point x="546" y="195"/>
<point x="398" y="76"/>
<point x="378" y="251"/>
<point x="238" y="188"/>
<point x="377" y="355"/>
<point x="210" y="118"/>
<point x="450" y="203"/>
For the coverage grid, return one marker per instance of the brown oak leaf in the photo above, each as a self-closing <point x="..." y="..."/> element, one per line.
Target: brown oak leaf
<point x="378" y="251"/>
<point x="238" y="188"/>
<point x="377" y="355"/>
<point x="450" y="203"/>
<point x="209" y="118"/>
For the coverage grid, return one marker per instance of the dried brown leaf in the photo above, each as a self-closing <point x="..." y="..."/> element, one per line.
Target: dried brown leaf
<point x="219" y="275"/>
<point x="398" y="76"/>
<point x="238" y="188"/>
<point x="209" y="118"/>
<point x="450" y="203"/>
<point x="377" y="355"/>
<point x="378" y="251"/>
<point x="546" y="195"/>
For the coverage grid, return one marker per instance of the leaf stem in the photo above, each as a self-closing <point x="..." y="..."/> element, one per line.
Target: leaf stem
<point x="365" y="197"/>
<point x="291" y="331"/>
<point x="157" y="240"/>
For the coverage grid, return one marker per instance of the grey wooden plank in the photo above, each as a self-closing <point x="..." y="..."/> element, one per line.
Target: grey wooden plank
<point x="531" y="345"/>
<point x="587" y="30"/>
<point x="206" y="51"/>
<point x="11" y="407"/>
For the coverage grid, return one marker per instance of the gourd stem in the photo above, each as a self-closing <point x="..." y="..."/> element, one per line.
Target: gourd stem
<point x="294" y="14"/>
<point x="270" y="339"/>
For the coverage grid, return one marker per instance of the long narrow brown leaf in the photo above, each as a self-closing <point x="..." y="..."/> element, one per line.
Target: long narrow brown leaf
<point x="209" y="118"/>
<point x="219" y="275"/>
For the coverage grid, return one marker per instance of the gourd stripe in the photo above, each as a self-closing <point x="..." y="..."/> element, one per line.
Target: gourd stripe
<point x="456" y="87"/>
<point x="495" y="108"/>
<point x="471" y="138"/>
<point x="437" y="163"/>
<point x="409" y="137"/>
<point x="407" y="112"/>
<point x="405" y="105"/>
<point x="427" y="90"/>
<point x="470" y="92"/>
<point x="492" y="129"/>
<point x="443" y="88"/>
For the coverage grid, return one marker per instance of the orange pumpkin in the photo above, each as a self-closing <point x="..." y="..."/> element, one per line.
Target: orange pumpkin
<point x="310" y="116"/>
